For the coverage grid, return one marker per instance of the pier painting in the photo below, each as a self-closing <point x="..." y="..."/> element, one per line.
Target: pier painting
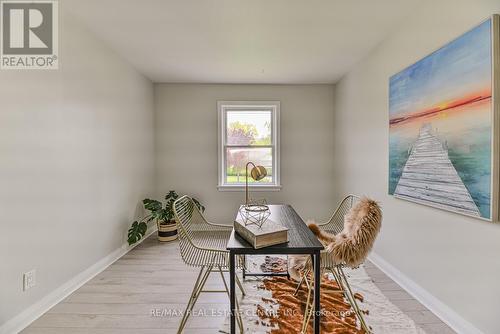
<point x="440" y="126"/>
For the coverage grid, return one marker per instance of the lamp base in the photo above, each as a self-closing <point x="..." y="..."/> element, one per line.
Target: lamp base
<point x="255" y="213"/>
<point x="256" y="207"/>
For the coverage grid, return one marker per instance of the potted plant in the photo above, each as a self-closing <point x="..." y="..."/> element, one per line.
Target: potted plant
<point x="163" y="214"/>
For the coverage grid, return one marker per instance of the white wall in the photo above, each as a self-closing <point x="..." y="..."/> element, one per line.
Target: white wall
<point x="76" y="157"/>
<point x="455" y="258"/>
<point x="186" y="145"/>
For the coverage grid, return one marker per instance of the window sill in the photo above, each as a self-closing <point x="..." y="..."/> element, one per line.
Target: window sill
<point x="250" y="188"/>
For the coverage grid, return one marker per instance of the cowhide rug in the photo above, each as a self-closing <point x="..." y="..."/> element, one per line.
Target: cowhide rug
<point x="270" y="307"/>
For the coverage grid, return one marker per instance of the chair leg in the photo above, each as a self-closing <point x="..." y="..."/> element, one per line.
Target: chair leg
<point x="240" y="285"/>
<point x="337" y="278"/>
<point x="352" y="299"/>
<point x="306" y="272"/>
<point x="238" y="316"/>
<point x="191" y="298"/>
<point x="198" y="287"/>
<point x="300" y="282"/>
<point x="309" y="309"/>
<point x="244" y="266"/>
<point x="309" y="306"/>
<point x="223" y="280"/>
<point x="202" y="284"/>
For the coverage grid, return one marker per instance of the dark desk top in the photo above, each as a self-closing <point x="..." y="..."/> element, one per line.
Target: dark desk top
<point x="301" y="239"/>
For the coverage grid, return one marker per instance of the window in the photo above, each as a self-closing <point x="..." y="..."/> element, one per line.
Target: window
<point x="248" y="131"/>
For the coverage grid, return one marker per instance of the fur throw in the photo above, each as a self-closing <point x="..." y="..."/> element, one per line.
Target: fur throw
<point x="351" y="246"/>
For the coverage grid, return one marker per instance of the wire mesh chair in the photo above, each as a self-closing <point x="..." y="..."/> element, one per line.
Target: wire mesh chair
<point x="334" y="225"/>
<point x="203" y="245"/>
<point x="336" y="222"/>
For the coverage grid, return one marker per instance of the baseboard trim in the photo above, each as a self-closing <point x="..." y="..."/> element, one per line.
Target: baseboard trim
<point x="26" y="317"/>
<point x="440" y="309"/>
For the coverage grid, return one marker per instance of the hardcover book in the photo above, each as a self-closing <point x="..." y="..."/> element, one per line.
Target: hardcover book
<point x="270" y="233"/>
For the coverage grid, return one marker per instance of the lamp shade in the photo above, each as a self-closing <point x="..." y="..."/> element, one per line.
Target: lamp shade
<point x="258" y="173"/>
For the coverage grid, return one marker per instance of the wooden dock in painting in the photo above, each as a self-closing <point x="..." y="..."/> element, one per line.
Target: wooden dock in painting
<point x="430" y="178"/>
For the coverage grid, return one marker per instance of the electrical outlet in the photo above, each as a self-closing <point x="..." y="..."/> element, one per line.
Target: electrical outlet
<point x="29" y="279"/>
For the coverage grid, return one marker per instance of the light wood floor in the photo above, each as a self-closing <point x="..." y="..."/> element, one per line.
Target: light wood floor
<point x="153" y="279"/>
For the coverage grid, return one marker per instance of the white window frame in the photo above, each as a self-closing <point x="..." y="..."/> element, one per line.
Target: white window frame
<point x="222" y="108"/>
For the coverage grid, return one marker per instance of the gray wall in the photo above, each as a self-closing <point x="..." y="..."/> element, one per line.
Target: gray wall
<point x="76" y="152"/>
<point x="186" y="145"/>
<point x="453" y="257"/>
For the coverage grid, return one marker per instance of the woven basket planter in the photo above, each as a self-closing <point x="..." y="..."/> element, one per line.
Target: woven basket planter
<point x="167" y="231"/>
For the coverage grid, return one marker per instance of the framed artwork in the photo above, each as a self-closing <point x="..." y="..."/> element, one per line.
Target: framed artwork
<point x="443" y="126"/>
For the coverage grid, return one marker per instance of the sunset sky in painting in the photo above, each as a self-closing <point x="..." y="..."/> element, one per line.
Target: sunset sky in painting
<point x="457" y="71"/>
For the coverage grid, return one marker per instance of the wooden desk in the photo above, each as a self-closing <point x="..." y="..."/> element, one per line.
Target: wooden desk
<point x="301" y="241"/>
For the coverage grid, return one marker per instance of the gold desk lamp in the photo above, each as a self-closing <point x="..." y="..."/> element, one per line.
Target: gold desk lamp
<point x="254" y="212"/>
<point x="257" y="173"/>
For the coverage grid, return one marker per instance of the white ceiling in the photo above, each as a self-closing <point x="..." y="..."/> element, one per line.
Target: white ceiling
<point x="242" y="41"/>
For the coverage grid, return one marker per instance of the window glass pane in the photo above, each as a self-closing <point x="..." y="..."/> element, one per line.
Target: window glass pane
<point x="237" y="158"/>
<point x="249" y="127"/>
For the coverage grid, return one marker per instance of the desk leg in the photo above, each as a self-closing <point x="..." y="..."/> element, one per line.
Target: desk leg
<point x="317" y="292"/>
<point x="232" y="291"/>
